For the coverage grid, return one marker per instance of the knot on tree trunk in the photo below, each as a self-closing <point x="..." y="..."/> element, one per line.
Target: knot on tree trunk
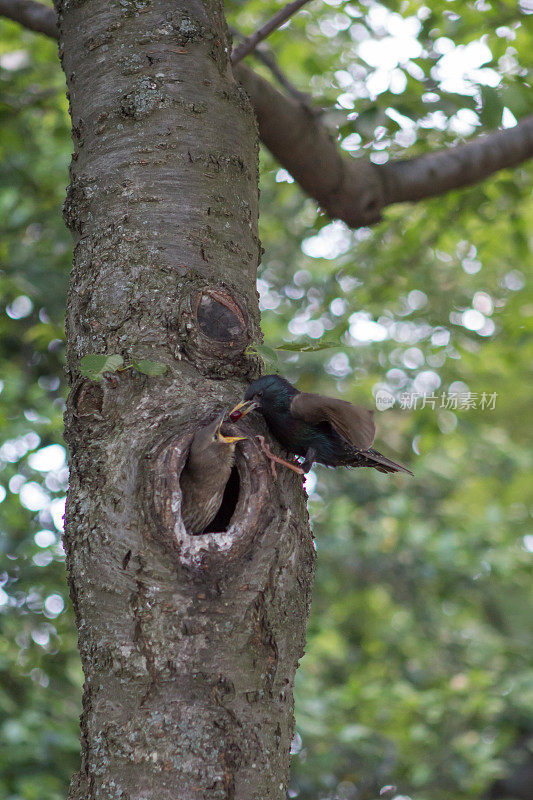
<point x="215" y="331"/>
<point x="88" y="399"/>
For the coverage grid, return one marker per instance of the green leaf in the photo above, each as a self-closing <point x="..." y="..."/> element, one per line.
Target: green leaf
<point x="268" y="354"/>
<point x="308" y="347"/>
<point x="94" y="365"/>
<point x="149" y="367"/>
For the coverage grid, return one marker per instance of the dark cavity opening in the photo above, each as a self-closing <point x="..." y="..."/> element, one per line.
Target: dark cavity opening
<point x="222" y="520"/>
<point x="217" y="319"/>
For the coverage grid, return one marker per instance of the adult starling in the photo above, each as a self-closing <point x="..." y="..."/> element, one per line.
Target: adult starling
<point x="323" y="429"/>
<point x="205" y="475"/>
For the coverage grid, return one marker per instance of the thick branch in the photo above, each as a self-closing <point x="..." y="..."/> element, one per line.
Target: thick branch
<point x="463" y="165"/>
<point x="353" y="190"/>
<point x="34" y="16"/>
<point x="345" y="188"/>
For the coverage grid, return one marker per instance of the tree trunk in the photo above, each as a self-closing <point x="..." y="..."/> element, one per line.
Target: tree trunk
<point x="189" y="644"/>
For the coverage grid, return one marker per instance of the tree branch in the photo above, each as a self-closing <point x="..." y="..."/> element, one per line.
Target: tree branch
<point x="32" y="15"/>
<point x="353" y="190"/>
<point x="265" y="55"/>
<point x="250" y="43"/>
<point x="462" y="165"/>
<point x="346" y="189"/>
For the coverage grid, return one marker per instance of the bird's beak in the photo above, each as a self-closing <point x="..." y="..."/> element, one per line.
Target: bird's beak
<point x="230" y="439"/>
<point x="241" y="409"/>
<point x="220" y="436"/>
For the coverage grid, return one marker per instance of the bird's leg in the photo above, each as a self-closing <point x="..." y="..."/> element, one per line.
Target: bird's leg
<point x="309" y="460"/>
<point x="276" y="459"/>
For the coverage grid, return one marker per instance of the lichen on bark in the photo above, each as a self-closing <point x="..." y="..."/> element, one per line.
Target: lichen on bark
<point x="189" y="662"/>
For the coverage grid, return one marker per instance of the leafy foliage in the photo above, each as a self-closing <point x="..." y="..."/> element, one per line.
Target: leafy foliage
<point x="417" y="677"/>
<point x="267" y="353"/>
<point x="147" y="367"/>
<point x="95" y="365"/>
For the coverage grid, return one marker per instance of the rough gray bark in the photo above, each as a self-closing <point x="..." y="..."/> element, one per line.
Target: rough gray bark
<point x="189" y="644"/>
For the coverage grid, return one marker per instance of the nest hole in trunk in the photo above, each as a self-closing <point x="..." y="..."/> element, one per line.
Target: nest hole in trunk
<point x="243" y="513"/>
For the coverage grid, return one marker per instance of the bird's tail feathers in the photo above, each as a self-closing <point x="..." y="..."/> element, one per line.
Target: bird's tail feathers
<point x="383" y="464"/>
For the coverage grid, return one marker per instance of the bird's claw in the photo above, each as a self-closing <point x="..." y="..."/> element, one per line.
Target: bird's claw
<point x="276" y="459"/>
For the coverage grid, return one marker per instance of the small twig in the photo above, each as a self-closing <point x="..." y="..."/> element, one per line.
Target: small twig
<point x="251" y="42"/>
<point x="267" y="58"/>
<point x="276" y="459"/>
<point x="264" y="54"/>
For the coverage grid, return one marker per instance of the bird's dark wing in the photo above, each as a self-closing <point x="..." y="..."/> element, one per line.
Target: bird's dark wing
<point x="353" y="423"/>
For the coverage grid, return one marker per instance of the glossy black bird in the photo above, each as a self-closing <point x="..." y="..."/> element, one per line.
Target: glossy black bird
<point x="205" y="475"/>
<point x="323" y="429"/>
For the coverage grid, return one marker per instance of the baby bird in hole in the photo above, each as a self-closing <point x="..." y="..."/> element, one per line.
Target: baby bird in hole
<point x="205" y="475"/>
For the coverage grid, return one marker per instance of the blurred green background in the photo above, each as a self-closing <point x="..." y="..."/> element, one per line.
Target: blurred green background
<point x="417" y="680"/>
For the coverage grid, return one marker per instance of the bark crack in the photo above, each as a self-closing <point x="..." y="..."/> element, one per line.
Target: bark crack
<point x="139" y="605"/>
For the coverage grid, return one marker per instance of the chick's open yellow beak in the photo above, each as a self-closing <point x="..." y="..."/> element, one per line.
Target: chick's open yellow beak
<point x="229" y="439"/>
<point x="220" y="436"/>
